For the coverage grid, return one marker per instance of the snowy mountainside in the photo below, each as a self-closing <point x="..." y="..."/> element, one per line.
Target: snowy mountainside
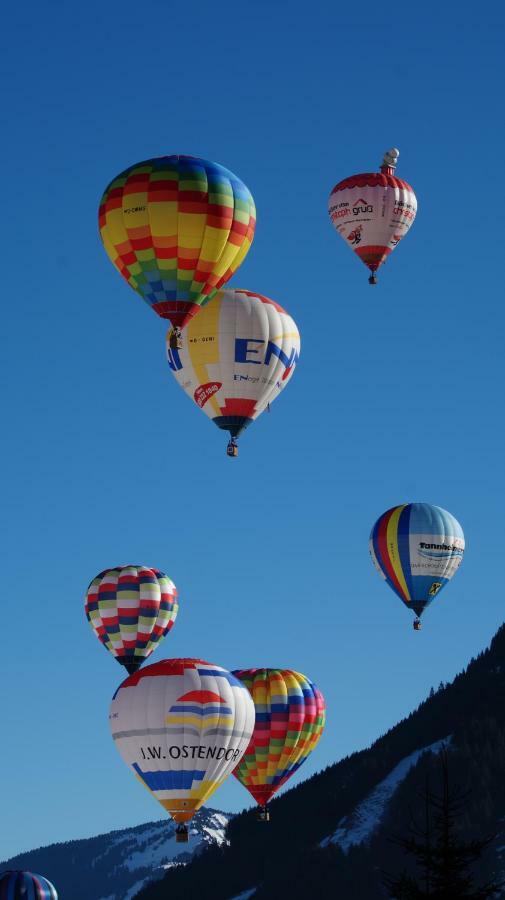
<point x="358" y="827"/>
<point x="334" y="835"/>
<point x="115" y="866"/>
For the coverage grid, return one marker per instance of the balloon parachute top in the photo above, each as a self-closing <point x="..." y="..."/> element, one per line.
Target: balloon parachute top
<point x="175" y="338"/>
<point x="232" y="448"/>
<point x="263" y="814"/>
<point x="181" y="834"/>
<point x="417" y="624"/>
<point x="389" y="162"/>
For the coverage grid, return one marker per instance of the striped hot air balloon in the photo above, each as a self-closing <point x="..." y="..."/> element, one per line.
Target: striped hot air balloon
<point x="15" y="885"/>
<point x="290" y="717"/>
<point x="417" y="548"/>
<point x="130" y="609"/>
<point x="200" y="722"/>
<point x="177" y="228"/>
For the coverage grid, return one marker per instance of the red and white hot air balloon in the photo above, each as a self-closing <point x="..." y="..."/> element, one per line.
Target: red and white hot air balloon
<point x="373" y="212"/>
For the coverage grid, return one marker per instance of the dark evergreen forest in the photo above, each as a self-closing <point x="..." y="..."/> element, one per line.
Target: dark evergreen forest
<point x="283" y="859"/>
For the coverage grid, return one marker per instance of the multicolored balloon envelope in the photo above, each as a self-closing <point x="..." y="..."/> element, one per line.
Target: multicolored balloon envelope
<point x="15" y="885"/>
<point x="237" y="356"/>
<point x="177" y="228"/>
<point x="290" y="717"/>
<point x="182" y="725"/>
<point x="131" y="608"/>
<point x="417" y="548"/>
<point x="373" y="212"/>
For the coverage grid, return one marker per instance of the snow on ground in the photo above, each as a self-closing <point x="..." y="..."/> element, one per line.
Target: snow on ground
<point x="136" y="888"/>
<point x="156" y="847"/>
<point x="360" y="825"/>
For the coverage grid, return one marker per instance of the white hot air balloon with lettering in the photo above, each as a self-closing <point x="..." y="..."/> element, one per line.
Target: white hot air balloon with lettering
<point x="182" y="726"/>
<point x="235" y="357"/>
<point x="373" y="211"/>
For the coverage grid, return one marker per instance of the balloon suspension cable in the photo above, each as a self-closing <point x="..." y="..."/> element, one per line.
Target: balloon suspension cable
<point x="181" y="834"/>
<point x="389" y="162"/>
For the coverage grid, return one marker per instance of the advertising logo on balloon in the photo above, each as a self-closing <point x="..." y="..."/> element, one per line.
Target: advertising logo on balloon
<point x="205" y="391"/>
<point x="434" y="589"/>
<point x="439" y="551"/>
<point x="199" y="711"/>
<point x="361" y="206"/>
<point x="355" y="235"/>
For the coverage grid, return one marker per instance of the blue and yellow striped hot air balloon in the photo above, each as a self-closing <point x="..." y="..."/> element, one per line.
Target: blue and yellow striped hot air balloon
<point x="16" y="885"/>
<point x="417" y="548"/>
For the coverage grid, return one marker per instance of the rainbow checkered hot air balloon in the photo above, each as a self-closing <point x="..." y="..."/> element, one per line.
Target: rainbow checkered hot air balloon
<point x="177" y="228"/>
<point x="130" y="609"/>
<point x="200" y="721"/>
<point x="290" y="717"/>
<point x="16" y="885"/>
<point x="417" y="548"/>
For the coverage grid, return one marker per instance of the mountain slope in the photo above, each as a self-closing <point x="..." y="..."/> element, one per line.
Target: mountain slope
<point x="298" y="855"/>
<point x="115" y="866"/>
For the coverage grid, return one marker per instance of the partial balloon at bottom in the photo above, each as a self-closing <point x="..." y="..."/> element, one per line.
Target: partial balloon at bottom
<point x="16" y="885"/>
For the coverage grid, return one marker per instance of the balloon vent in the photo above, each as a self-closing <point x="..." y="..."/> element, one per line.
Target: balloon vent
<point x="390" y="161"/>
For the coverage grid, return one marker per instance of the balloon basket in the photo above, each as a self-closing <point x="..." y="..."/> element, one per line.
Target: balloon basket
<point x="417" y="624"/>
<point x="175" y="340"/>
<point x="372" y="279"/>
<point x="263" y="814"/>
<point x="181" y="835"/>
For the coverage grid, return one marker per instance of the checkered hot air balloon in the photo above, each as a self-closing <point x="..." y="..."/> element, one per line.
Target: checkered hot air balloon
<point x="290" y="717"/>
<point x="417" y="548"/>
<point x="131" y="608"/>
<point x="372" y="212"/>
<point x="16" y="885"/>
<point x="236" y="357"/>
<point x="200" y="721"/>
<point x="177" y="228"/>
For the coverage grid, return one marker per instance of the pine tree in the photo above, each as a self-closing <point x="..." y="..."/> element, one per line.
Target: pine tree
<point x="444" y="862"/>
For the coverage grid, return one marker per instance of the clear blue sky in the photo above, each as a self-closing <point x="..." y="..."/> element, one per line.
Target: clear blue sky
<point x="398" y="395"/>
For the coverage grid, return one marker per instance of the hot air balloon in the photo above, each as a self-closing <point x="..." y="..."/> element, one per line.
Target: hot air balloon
<point x="182" y="725"/>
<point x="131" y="608"/>
<point x="373" y="212"/>
<point x="417" y="548"/>
<point x="290" y="717"/>
<point x="177" y="228"/>
<point x="237" y="355"/>
<point x="15" y="885"/>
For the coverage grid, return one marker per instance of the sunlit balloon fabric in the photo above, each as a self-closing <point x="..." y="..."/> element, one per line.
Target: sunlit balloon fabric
<point x="373" y="212"/>
<point x="182" y="725"/>
<point x="237" y="355"/>
<point x="16" y="885"/>
<point x="131" y="608"/>
<point x="177" y="228"/>
<point x="290" y="717"/>
<point x="417" y="548"/>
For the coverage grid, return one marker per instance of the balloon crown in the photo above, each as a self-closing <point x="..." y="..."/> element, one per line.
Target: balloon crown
<point x="391" y="158"/>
